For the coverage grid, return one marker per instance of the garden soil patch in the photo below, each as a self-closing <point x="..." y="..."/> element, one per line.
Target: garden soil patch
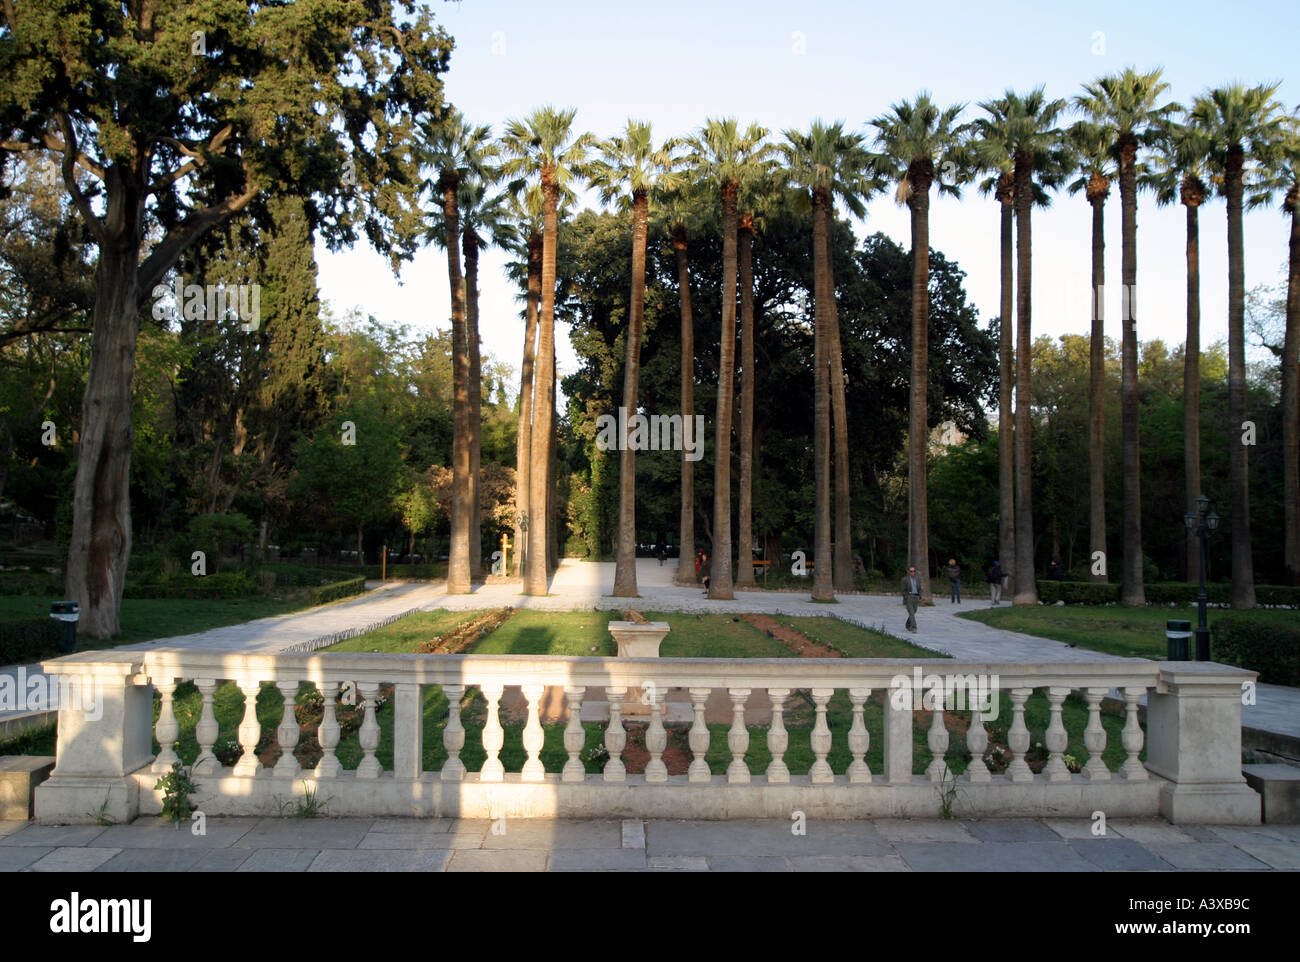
<point x="792" y="638"/>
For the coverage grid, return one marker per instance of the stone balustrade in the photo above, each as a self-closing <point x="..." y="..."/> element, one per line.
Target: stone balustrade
<point x="1192" y="740"/>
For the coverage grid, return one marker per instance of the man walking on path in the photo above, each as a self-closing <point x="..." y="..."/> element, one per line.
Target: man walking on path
<point x="994" y="578"/>
<point x="911" y="588"/>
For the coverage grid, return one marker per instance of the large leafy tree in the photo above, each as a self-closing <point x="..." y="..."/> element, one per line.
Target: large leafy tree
<point x="1127" y="105"/>
<point x="728" y="158"/>
<point x="629" y="168"/>
<point x="911" y="137"/>
<point x="1242" y="126"/>
<point x="543" y="148"/>
<point x="182" y="118"/>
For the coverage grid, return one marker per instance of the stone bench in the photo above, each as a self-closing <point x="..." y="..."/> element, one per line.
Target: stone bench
<point x="1279" y="788"/>
<point x="19" y="776"/>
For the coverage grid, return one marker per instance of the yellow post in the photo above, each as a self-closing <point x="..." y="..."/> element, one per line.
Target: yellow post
<point x="505" y="553"/>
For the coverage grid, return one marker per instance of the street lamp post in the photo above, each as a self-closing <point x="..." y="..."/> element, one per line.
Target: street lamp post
<point x="1202" y="524"/>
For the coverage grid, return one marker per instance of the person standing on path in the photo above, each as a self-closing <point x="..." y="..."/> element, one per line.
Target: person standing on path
<point x="994" y="578"/>
<point x="911" y="588"/>
<point x="954" y="580"/>
<point x="704" y="569"/>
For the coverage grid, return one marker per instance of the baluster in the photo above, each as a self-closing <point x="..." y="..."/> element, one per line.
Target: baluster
<point x="168" y="729"/>
<point x="1056" y="737"/>
<point x="897" y="746"/>
<point x="615" y="736"/>
<point x="328" y="734"/>
<point x="656" y="737"/>
<point x="821" y="739"/>
<point x="408" y="730"/>
<point x="206" y="730"/>
<point x="937" y="737"/>
<point x="977" y="740"/>
<point x="250" y="731"/>
<point x="738" y="738"/>
<point x="288" y="731"/>
<point x="778" y="739"/>
<point x="534" y="737"/>
<point x="1094" y="737"/>
<point x="453" y="735"/>
<point x="368" y="735"/>
<point x="494" y="736"/>
<point x="575" y="737"/>
<point x="859" y="738"/>
<point x="699" y="738"/>
<point x="1018" y="737"/>
<point x="1133" y="769"/>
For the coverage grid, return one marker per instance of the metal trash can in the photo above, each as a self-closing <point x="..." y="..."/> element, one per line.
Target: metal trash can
<point x="1177" y="633"/>
<point x="69" y="613"/>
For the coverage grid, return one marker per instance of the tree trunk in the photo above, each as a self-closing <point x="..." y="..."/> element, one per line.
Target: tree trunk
<point x="1097" y="386"/>
<point x="822" y="586"/>
<point x="918" y="430"/>
<point x="720" y="586"/>
<point x="523" y="441"/>
<point x="1132" y="592"/>
<point x="1026" y="589"/>
<point x="842" y="570"/>
<point x="745" y="515"/>
<point x="475" y="404"/>
<point x="535" y="575"/>
<point x="458" y="565"/>
<point x="1192" y="389"/>
<point x="686" y="559"/>
<point x="1291" y="397"/>
<point x="625" y="567"/>
<point x="1006" y="383"/>
<point x="1243" y="567"/>
<point x="552" y="489"/>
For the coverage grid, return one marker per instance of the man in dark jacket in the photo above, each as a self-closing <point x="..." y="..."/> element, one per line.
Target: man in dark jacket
<point x="911" y="588"/>
<point x="994" y="578"/>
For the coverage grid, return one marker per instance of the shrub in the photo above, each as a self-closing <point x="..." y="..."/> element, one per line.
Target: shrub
<point x="28" y="640"/>
<point x="1182" y="593"/>
<point x="340" y="589"/>
<point x="217" y="534"/>
<point x="234" y="584"/>
<point x="420" y="571"/>
<point x="1283" y="596"/>
<point x="1271" y="650"/>
<point x="1077" y="593"/>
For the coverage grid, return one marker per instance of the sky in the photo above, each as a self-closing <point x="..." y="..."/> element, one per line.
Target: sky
<point x="675" y="64"/>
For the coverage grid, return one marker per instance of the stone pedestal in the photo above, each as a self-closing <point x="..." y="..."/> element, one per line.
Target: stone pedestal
<point x="636" y="640"/>
<point x="19" y="776"/>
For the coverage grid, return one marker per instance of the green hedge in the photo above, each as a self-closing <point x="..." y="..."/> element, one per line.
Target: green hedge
<point x="427" y="572"/>
<point x="289" y="575"/>
<point x="340" y="589"/>
<point x="1077" y="593"/>
<point x="225" y="584"/>
<point x="1160" y="593"/>
<point x="29" y="640"/>
<point x="1271" y="650"/>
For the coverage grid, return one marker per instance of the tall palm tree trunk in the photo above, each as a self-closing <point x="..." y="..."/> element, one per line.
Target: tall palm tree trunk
<point x="744" y="517"/>
<point x="1192" y="382"/>
<point x="1243" y="567"/>
<point x="1291" y="396"/>
<point x="1132" y="592"/>
<point x="470" y="244"/>
<point x="625" y="568"/>
<point x="842" y="572"/>
<point x="822" y="589"/>
<point x="1026" y="592"/>
<point x="921" y="174"/>
<point x="686" y="559"/>
<point x="459" y="575"/>
<point x="552" y="487"/>
<point x="1006" y="384"/>
<point x="1098" y="188"/>
<point x="535" y="573"/>
<point x="720" y="585"/>
<point x="523" y="443"/>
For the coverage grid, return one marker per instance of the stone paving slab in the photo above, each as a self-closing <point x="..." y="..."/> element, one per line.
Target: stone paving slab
<point x="1277" y="855"/>
<point x="1012" y="830"/>
<point x="1204" y="856"/>
<point x="352" y="860"/>
<point x="1118" y="855"/>
<point x="279" y="860"/>
<point x="922" y="830"/>
<point x="305" y="833"/>
<point x="73" y="860"/>
<point x="15" y="859"/>
<point x="993" y="857"/>
<point x="748" y="863"/>
<point x="847" y="863"/>
<point x="221" y="860"/>
<point x="597" y="860"/>
<point x="1147" y="831"/>
<point x="159" y="833"/>
<point x="498" y="860"/>
<point x="762" y="837"/>
<point x="53" y="835"/>
<point x="524" y="833"/>
<point x="154" y="860"/>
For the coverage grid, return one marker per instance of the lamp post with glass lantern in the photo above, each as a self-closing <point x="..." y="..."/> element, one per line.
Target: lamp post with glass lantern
<point x="1202" y="524"/>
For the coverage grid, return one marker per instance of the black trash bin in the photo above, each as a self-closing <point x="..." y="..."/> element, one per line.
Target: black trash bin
<point x="1177" y="633"/>
<point x="68" y="613"/>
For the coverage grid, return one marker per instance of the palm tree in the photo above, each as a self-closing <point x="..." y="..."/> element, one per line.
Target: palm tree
<point x="527" y="213"/>
<point x="543" y="146"/>
<point x="1127" y="106"/>
<point x="1289" y="168"/>
<point x="829" y="163"/>
<point x="727" y="158"/>
<point x="629" y="168"/>
<point x="456" y="149"/>
<point x="1243" y="129"/>
<point x="910" y="138"/>
<point x="1179" y="172"/>
<point x="1091" y="145"/>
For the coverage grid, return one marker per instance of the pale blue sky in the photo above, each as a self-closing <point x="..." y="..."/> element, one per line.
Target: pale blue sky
<point x="782" y="65"/>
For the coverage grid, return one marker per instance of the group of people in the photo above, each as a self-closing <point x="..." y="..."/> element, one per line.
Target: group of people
<point x="911" y="587"/>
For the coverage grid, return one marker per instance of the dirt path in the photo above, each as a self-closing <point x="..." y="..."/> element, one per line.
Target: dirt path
<point x="793" y="639"/>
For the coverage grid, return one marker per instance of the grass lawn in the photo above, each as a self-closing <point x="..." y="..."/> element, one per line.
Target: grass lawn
<point x="856" y="642"/>
<point x="1128" y="632"/>
<point x="406" y="633"/>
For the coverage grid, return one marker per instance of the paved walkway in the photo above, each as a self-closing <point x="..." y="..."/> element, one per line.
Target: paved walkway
<point x="749" y="845"/>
